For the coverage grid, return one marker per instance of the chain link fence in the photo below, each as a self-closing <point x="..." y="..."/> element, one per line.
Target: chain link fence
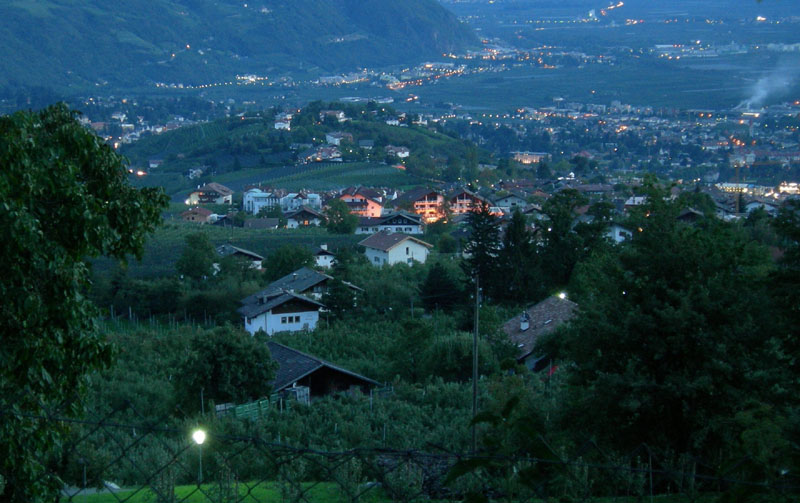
<point x="124" y="456"/>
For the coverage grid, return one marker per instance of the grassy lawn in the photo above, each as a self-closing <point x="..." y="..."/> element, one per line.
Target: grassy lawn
<point x="326" y="492"/>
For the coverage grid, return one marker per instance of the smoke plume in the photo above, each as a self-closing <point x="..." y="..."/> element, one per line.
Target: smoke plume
<point x="776" y="82"/>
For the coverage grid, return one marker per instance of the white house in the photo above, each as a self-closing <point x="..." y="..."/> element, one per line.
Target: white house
<point x="511" y="201"/>
<point x="295" y="200"/>
<point x="253" y="258"/>
<point x="337" y="137"/>
<point x="400" y="152"/>
<point x="404" y="223"/>
<point x="304" y="217"/>
<point x="210" y="193"/>
<point x="383" y="248"/>
<point x="323" y="257"/>
<point x="279" y="311"/>
<point x="254" y="199"/>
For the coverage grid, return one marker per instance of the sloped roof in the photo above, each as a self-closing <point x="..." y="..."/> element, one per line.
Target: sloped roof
<point x="298" y="281"/>
<point x="363" y="191"/>
<point x="229" y="249"/>
<point x="384" y="241"/>
<point x="468" y="192"/>
<point x="266" y="300"/>
<point x="414" y="194"/>
<point x="308" y="210"/>
<point x="545" y="317"/>
<point x="382" y="220"/>
<point x="295" y="365"/>
<point x="413" y="217"/>
<point x="369" y="221"/>
<point x="215" y="187"/>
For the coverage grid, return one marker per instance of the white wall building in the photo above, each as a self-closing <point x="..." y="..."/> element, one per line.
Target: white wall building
<point x="403" y="223"/>
<point x="295" y="200"/>
<point x="279" y="311"/>
<point x="254" y="199"/>
<point x="324" y="257"/>
<point x="388" y="249"/>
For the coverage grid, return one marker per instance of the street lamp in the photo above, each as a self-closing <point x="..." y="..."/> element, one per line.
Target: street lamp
<point x="199" y="436"/>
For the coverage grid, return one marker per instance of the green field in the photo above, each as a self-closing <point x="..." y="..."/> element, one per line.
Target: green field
<point x="165" y="245"/>
<point x="323" y="492"/>
<point x="309" y="177"/>
<point x="696" y="84"/>
<point x="327" y="492"/>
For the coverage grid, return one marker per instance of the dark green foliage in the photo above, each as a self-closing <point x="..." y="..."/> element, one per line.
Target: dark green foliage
<point x="786" y="279"/>
<point x="198" y="257"/>
<point x="340" y="220"/>
<point x="340" y="299"/>
<point x="699" y="201"/>
<point x="226" y="365"/>
<point x="482" y="248"/>
<point x="442" y="289"/>
<point x="408" y="349"/>
<point x="134" y="43"/>
<point x="65" y="198"/>
<point x="520" y="263"/>
<point x="675" y="335"/>
<point x="446" y="244"/>
<point x="449" y="356"/>
<point x="563" y="248"/>
<point x="285" y="260"/>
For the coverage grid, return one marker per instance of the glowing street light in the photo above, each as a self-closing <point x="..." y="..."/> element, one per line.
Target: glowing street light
<point x="199" y="436"/>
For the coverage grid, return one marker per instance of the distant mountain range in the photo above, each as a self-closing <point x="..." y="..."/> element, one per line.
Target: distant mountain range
<point x="78" y="44"/>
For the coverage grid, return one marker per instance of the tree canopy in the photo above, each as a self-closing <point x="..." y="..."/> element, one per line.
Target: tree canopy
<point x="340" y="220"/>
<point x="65" y="199"/>
<point x="225" y="365"/>
<point x="676" y="336"/>
<point x="285" y="260"/>
<point x="198" y="257"/>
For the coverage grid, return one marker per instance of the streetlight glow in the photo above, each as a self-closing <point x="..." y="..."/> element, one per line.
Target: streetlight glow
<point x="199" y="436"/>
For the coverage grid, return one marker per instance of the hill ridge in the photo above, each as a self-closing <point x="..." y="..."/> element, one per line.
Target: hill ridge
<point x="73" y="44"/>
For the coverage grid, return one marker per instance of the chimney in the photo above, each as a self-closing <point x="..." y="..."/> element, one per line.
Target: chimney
<point x="524" y="321"/>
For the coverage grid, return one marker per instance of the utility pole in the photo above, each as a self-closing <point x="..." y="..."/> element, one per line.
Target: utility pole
<point x="475" y="360"/>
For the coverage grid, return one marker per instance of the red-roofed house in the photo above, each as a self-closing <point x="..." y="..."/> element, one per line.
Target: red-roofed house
<point x="363" y="202"/>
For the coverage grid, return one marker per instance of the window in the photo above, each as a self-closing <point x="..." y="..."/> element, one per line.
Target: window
<point x="406" y="250"/>
<point x="297" y="319"/>
<point x="283" y="320"/>
<point x="377" y="259"/>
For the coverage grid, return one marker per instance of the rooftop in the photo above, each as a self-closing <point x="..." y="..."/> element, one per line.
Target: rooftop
<point x="385" y="242"/>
